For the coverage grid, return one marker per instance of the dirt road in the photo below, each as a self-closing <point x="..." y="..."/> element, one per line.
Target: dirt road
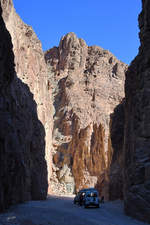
<point x="62" y="211"/>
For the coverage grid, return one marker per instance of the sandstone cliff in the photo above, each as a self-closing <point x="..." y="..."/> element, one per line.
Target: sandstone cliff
<point x="137" y="127"/>
<point x="87" y="83"/>
<point x="23" y="169"/>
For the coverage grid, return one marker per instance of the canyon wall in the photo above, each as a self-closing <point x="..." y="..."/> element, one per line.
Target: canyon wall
<point x="137" y="127"/>
<point x="23" y="169"/>
<point x="116" y="141"/>
<point x="31" y="69"/>
<point x="87" y="84"/>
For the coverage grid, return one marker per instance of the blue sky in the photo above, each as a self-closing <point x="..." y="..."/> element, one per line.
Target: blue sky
<point x="111" y="24"/>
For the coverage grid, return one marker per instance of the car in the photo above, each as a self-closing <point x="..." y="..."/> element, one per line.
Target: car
<point x="87" y="197"/>
<point x="91" y="198"/>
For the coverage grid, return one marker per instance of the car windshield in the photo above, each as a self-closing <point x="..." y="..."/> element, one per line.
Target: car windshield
<point x="92" y="194"/>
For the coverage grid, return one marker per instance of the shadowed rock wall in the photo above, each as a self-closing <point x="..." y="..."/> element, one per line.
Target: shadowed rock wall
<point x="31" y="69"/>
<point x="137" y="127"/>
<point x="23" y="170"/>
<point x="116" y="141"/>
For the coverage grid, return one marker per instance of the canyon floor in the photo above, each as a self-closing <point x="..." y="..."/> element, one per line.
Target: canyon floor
<point x="61" y="211"/>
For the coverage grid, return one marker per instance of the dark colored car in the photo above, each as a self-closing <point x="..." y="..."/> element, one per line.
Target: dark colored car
<point x="82" y="198"/>
<point x="91" y="198"/>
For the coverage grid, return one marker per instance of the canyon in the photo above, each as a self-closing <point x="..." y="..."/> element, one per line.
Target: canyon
<point x="67" y="122"/>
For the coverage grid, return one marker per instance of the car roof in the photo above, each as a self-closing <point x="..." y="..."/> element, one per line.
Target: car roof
<point x="88" y="189"/>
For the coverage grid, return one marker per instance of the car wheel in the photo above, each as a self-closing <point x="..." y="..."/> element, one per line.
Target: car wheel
<point x="85" y="206"/>
<point x="97" y="206"/>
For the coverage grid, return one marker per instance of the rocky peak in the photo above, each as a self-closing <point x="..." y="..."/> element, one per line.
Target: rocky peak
<point x="87" y="83"/>
<point x="69" y="41"/>
<point x="69" y="53"/>
<point x="71" y="50"/>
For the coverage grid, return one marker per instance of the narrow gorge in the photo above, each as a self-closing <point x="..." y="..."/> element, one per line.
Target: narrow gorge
<point x="72" y="117"/>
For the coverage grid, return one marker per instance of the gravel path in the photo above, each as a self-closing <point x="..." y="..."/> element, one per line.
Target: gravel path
<point x="62" y="211"/>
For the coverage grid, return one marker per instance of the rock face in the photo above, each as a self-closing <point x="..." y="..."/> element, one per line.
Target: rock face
<point x="116" y="141"/>
<point x="23" y="169"/>
<point x="137" y="127"/>
<point x="87" y="83"/>
<point x="31" y="69"/>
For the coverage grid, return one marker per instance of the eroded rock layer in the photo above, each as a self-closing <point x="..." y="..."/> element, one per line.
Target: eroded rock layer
<point x="23" y="169"/>
<point x="87" y="83"/>
<point x="137" y="128"/>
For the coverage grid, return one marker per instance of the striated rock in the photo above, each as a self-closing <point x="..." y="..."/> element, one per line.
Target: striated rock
<point x="31" y="69"/>
<point x="87" y="83"/>
<point x="137" y="127"/>
<point x="23" y="169"/>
